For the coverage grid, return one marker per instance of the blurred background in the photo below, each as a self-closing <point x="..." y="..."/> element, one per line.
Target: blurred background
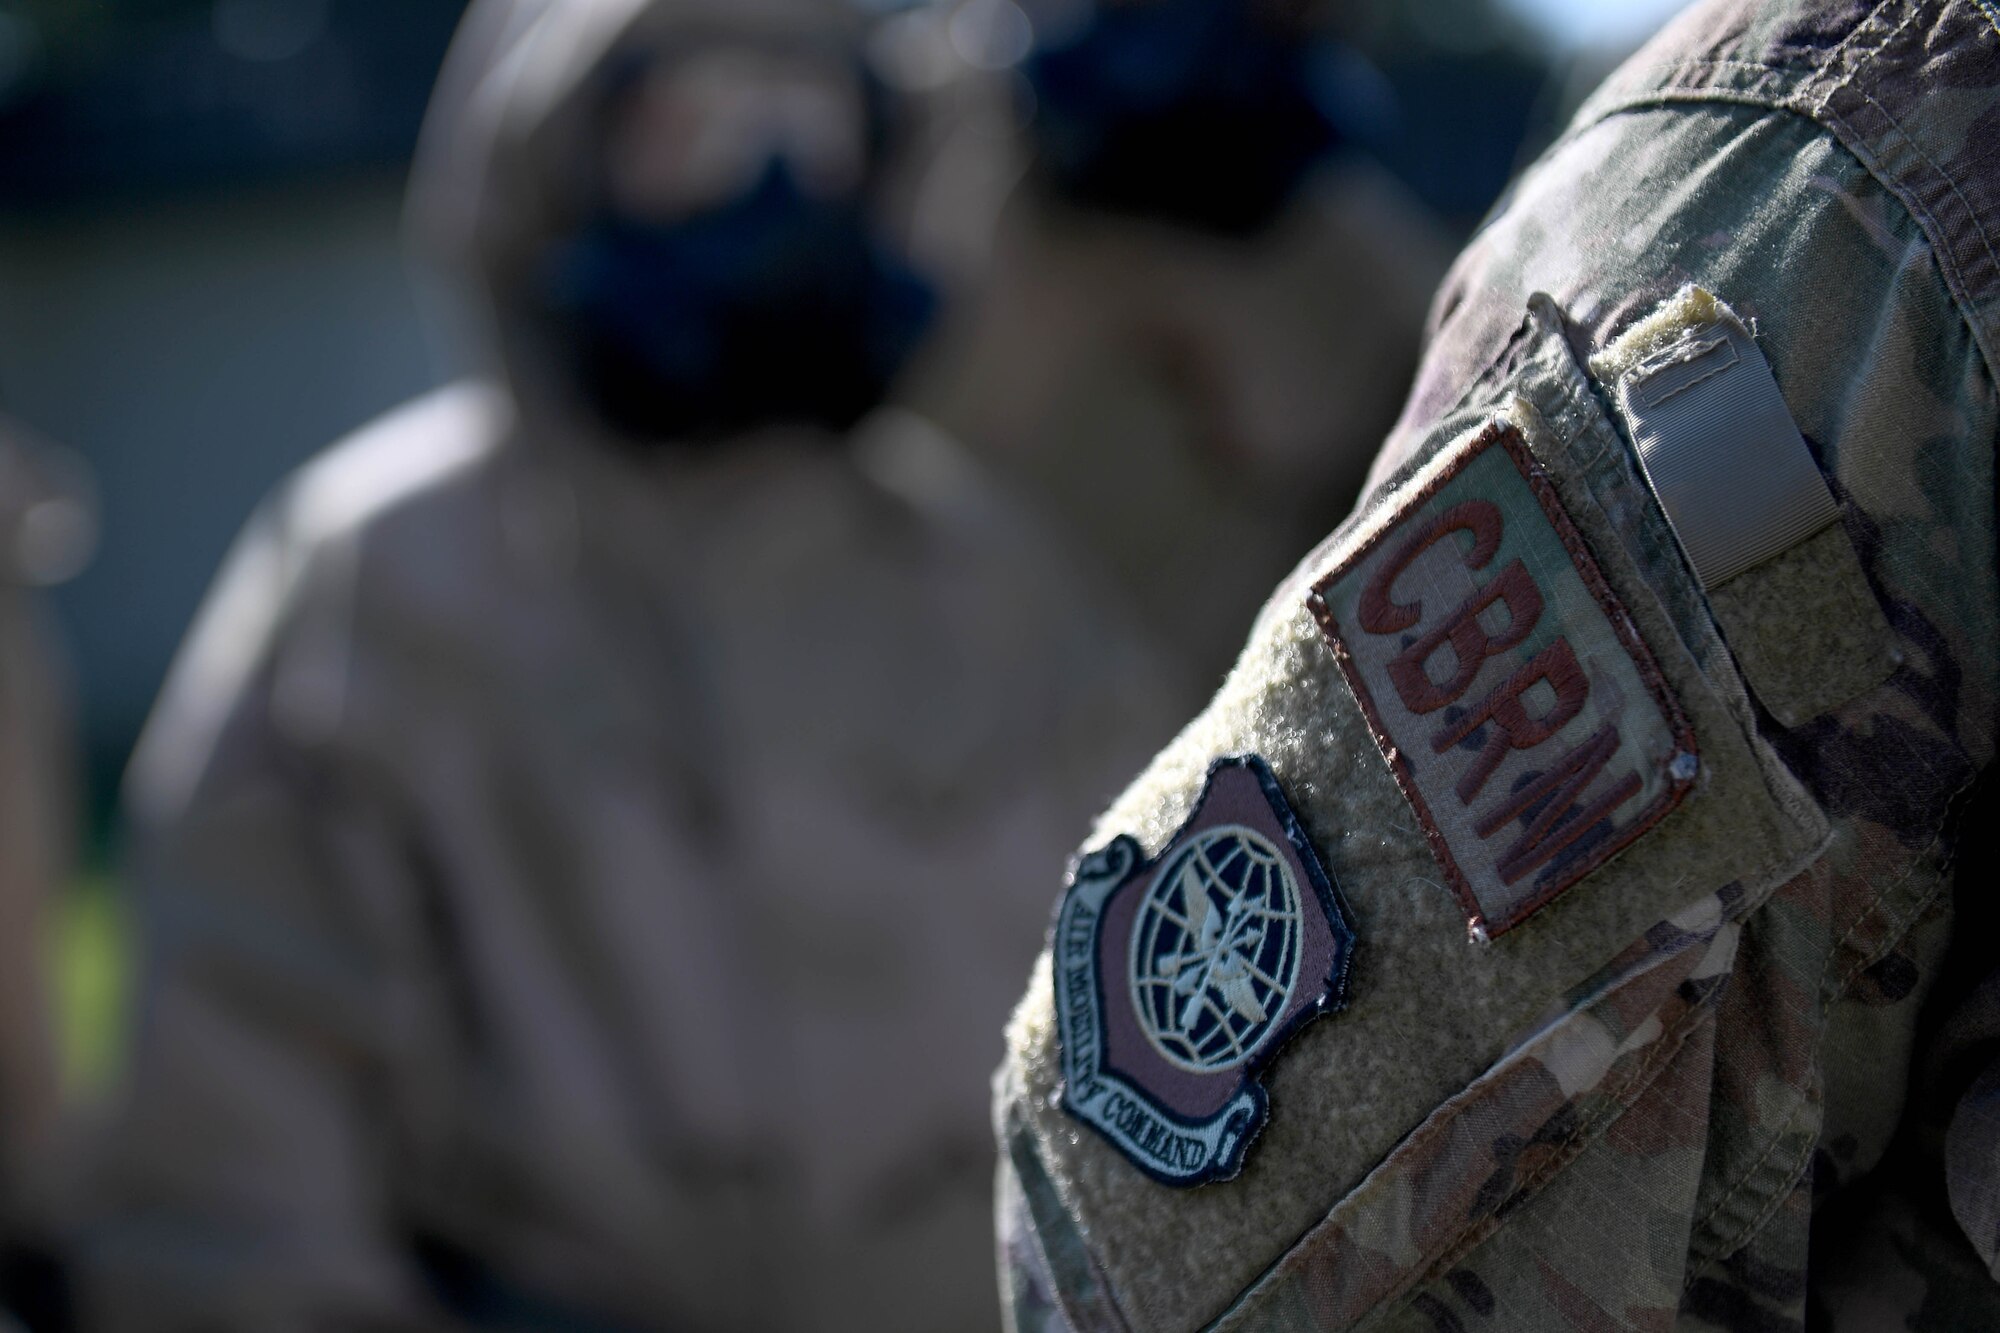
<point x="204" y="279"/>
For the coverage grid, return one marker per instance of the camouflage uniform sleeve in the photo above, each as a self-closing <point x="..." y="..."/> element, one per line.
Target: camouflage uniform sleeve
<point x="1028" y="1301"/>
<point x="242" y="1183"/>
<point x="1648" y="879"/>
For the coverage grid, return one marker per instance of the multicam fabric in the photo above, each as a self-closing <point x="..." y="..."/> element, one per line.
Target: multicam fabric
<point x="1769" y="1105"/>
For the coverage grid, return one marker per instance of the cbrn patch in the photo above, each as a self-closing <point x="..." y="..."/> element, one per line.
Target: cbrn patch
<point x="1508" y="688"/>
<point x="1177" y="979"/>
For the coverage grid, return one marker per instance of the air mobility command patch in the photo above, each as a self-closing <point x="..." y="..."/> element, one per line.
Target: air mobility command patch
<point x="1524" y="718"/>
<point x="1177" y="978"/>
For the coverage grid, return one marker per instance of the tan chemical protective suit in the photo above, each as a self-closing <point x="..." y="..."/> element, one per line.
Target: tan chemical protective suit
<point x="1194" y="411"/>
<point x="583" y="884"/>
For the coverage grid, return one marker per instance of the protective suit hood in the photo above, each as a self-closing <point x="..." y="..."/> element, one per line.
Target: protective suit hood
<point x="508" y="162"/>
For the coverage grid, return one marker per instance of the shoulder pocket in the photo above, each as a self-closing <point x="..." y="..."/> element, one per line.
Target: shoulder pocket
<point x="1465" y="1072"/>
<point x="1745" y="497"/>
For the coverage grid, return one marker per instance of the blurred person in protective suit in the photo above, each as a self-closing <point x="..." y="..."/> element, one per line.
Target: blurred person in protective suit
<point x="588" y="836"/>
<point x="1576" y="910"/>
<point x="1206" y="305"/>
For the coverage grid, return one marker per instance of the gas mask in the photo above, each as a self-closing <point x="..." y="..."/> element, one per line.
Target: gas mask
<point x="1205" y="113"/>
<point x="731" y="275"/>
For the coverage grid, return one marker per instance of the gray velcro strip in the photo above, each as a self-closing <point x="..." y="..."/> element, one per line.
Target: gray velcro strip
<point x="1727" y="463"/>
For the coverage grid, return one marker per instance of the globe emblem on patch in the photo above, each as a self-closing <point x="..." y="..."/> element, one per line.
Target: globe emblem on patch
<point x="1178" y="977"/>
<point x="1215" y="949"/>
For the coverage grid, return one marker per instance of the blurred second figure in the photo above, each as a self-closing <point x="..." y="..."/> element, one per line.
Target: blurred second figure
<point x="603" y="806"/>
<point x="1206" y="302"/>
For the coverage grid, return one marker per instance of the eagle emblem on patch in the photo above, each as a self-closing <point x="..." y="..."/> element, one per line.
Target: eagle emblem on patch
<point x="1177" y="978"/>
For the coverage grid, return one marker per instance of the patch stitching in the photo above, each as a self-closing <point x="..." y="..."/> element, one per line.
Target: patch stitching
<point x="1648" y="374"/>
<point x="1077" y="949"/>
<point x="1505" y="434"/>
